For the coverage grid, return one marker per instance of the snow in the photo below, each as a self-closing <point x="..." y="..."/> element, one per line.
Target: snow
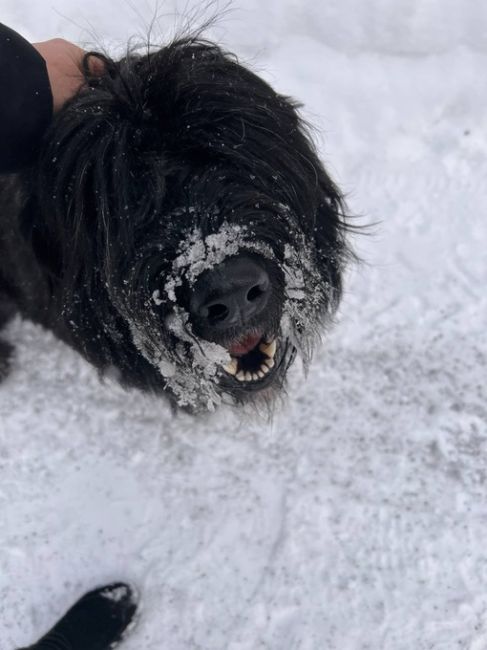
<point x="357" y="519"/>
<point x="198" y="254"/>
<point x="116" y="594"/>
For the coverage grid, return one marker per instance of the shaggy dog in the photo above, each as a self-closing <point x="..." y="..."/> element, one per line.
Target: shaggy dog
<point x="177" y="228"/>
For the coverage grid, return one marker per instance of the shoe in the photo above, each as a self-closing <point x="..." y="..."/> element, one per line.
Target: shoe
<point x="97" y="621"/>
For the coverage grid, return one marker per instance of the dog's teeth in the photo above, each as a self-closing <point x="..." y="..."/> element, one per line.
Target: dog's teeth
<point x="246" y="375"/>
<point x="269" y="349"/>
<point x="232" y="367"/>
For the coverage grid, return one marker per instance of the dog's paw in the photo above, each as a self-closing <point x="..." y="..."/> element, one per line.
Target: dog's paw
<point x="6" y="353"/>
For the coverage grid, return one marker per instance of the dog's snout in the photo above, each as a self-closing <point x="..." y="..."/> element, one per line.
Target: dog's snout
<point x="231" y="294"/>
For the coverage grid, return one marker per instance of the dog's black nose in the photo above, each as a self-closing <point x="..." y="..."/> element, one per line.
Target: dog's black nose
<point x="231" y="294"/>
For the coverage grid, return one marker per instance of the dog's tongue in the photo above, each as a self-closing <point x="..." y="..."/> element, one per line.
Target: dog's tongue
<point x="244" y="346"/>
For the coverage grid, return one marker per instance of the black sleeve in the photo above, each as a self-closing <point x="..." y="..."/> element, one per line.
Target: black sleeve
<point x="25" y="100"/>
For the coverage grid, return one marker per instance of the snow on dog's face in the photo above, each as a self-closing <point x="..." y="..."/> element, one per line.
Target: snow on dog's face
<point x="202" y="237"/>
<point x="205" y="361"/>
<point x="203" y="366"/>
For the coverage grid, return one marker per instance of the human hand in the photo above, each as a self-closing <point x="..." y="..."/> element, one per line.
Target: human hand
<point x="63" y="60"/>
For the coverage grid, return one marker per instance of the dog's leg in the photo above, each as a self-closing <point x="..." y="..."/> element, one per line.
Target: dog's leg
<point x="96" y="622"/>
<point x="7" y="310"/>
<point x="6" y="351"/>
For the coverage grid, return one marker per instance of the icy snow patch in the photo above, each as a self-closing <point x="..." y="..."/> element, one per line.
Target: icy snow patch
<point x="115" y="595"/>
<point x="199" y="253"/>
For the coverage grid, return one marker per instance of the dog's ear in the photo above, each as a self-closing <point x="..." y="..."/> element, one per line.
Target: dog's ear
<point x="101" y="171"/>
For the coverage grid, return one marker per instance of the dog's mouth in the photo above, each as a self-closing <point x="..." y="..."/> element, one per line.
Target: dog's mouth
<point x="253" y="358"/>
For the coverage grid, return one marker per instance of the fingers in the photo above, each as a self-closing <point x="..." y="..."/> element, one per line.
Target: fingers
<point x="64" y="68"/>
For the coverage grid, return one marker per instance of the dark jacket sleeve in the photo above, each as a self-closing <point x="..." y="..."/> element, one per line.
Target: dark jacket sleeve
<point x="25" y="100"/>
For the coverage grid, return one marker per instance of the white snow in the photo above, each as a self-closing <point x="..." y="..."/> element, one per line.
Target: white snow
<point x="198" y="254"/>
<point x="358" y="519"/>
<point x="115" y="594"/>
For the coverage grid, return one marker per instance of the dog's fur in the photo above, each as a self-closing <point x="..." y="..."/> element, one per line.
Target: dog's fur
<point x="154" y="173"/>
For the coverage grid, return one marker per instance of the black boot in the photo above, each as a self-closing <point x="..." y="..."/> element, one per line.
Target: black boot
<point x="96" y="622"/>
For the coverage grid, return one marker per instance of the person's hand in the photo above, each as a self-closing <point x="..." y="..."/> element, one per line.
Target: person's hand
<point x="63" y="60"/>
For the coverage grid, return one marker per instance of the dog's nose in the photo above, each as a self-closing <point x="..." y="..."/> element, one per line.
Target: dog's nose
<point x="231" y="294"/>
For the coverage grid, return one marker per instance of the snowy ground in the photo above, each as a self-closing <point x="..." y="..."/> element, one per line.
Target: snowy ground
<point x="358" y="520"/>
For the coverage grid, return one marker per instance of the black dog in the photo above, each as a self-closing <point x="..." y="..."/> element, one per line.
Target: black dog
<point x="177" y="227"/>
